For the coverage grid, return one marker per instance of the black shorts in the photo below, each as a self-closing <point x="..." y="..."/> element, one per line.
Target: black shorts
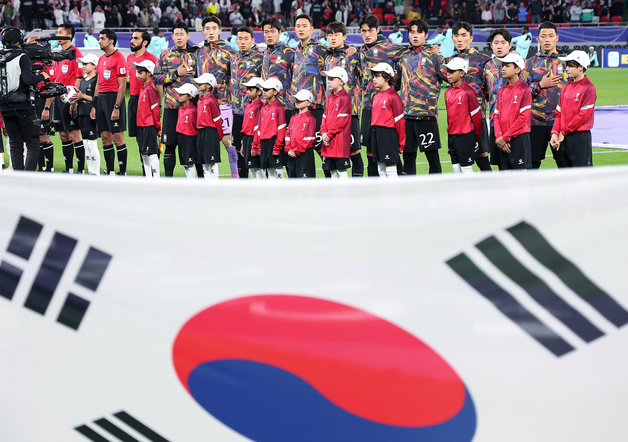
<point x="169" y="127"/>
<point x="385" y="144"/>
<point x="484" y="144"/>
<point x="88" y="127"/>
<point x="356" y="146"/>
<point x="463" y="149"/>
<point x="104" y="107"/>
<point x="207" y="146"/>
<point x="187" y="149"/>
<point x="251" y="162"/>
<point x="318" y="116"/>
<point x="339" y="164"/>
<point x="493" y="150"/>
<point x="267" y="159"/>
<point x="62" y="117"/>
<point x="302" y="166"/>
<point x="422" y="134"/>
<point x="365" y="129"/>
<point x="147" y="140"/>
<point x="45" y="126"/>
<point x="133" y="115"/>
<point x="577" y="149"/>
<point x="519" y="156"/>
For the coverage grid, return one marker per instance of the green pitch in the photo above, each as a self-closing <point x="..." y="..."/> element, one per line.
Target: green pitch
<point x="605" y="80"/>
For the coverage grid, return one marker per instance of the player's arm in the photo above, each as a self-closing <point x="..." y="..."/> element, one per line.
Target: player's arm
<point x="497" y="124"/>
<point x="475" y="113"/>
<point x="256" y="137"/>
<point x="153" y="100"/>
<point x="523" y="116"/>
<point x="281" y="132"/>
<point x="164" y="75"/>
<point x="288" y="147"/>
<point x="400" y="121"/>
<point x="216" y="117"/>
<point x="587" y="104"/>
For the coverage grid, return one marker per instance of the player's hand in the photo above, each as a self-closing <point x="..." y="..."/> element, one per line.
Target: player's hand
<point x="254" y="153"/>
<point x="92" y="113"/>
<point x="45" y="75"/>
<point x="32" y="40"/>
<point x="182" y="71"/>
<point x="292" y="154"/>
<point x="547" y="81"/>
<point x="159" y="133"/>
<point x="115" y="115"/>
<point x="350" y="51"/>
<point x="226" y="140"/>
<point x="326" y="139"/>
<point x="45" y="115"/>
<point x="241" y="152"/>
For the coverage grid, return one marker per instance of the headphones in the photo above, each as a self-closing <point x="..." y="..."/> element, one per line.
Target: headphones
<point x="11" y="36"/>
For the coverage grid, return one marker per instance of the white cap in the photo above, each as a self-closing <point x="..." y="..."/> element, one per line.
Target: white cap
<point x="458" y="64"/>
<point x="254" y="82"/>
<point x="146" y="64"/>
<point x="304" y="95"/>
<point x="89" y="58"/>
<point x="337" y="72"/>
<point x="511" y="57"/>
<point x="187" y="88"/>
<point x="272" y="83"/>
<point x="580" y="57"/>
<point x="381" y="67"/>
<point x="206" y="78"/>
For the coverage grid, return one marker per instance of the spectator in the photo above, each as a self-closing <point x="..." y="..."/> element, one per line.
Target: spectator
<point x="277" y="6"/>
<point x="487" y="15"/>
<point x="117" y="15"/>
<point x="59" y="16"/>
<point x="143" y="19"/>
<point x="26" y="13"/>
<point x="536" y="9"/>
<point x="575" y="12"/>
<point x="236" y="18"/>
<point x="8" y="14"/>
<point x="198" y="21"/>
<point x="89" y="41"/>
<point x="512" y="13"/>
<point x="522" y="13"/>
<point x="523" y="42"/>
<point x="172" y="10"/>
<point x="223" y="15"/>
<point x="499" y="13"/>
<point x="548" y="11"/>
<point x="464" y="11"/>
<point x="593" y="57"/>
<point x="213" y="8"/>
<point x="74" y="17"/>
<point x="587" y="13"/>
<point x="256" y="18"/>
<point x="617" y="8"/>
<point x="156" y="10"/>
<point x="225" y="4"/>
<point x="99" y="19"/>
<point x="190" y="21"/>
<point x="130" y="19"/>
<point x="317" y="14"/>
<point x="455" y="12"/>
<point x="165" y="21"/>
<point x="342" y="16"/>
<point x="558" y="13"/>
<point x="87" y="20"/>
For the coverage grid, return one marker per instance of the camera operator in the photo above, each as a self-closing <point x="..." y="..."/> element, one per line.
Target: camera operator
<point x="67" y="72"/>
<point x="16" y="106"/>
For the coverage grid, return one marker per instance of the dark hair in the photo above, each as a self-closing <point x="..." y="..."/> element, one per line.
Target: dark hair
<point x="503" y="32"/>
<point x="462" y="25"/>
<point x="247" y="30"/>
<point x="451" y="23"/>
<point x="369" y="20"/>
<point x="212" y="19"/>
<point x="69" y="29"/>
<point x="305" y="16"/>
<point x="181" y="25"/>
<point x="145" y="36"/>
<point x="272" y="22"/>
<point x="547" y="25"/>
<point x="336" y="27"/>
<point x="525" y="28"/>
<point x="110" y="34"/>
<point x="421" y="26"/>
<point x="389" y="79"/>
<point x="156" y="30"/>
<point x="11" y="36"/>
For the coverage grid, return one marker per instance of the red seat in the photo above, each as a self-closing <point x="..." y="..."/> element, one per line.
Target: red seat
<point x="616" y="18"/>
<point x="389" y="18"/>
<point x="604" y="19"/>
<point x="377" y="12"/>
<point x="405" y="21"/>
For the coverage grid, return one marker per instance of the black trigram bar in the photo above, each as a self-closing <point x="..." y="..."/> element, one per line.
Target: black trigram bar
<point x="24" y="238"/>
<point x="508" y="305"/>
<point x="93" y="268"/>
<point x="118" y="432"/>
<point x="139" y="427"/>
<point x="50" y="272"/>
<point x="9" y="278"/>
<point x="91" y="434"/>
<point x="538" y="289"/>
<point x="114" y="430"/>
<point x="536" y="244"/>
<point x="73" y="310"/>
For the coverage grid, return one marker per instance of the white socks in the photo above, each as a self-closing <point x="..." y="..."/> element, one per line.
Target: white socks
<point x="467" y="169"/>
<point x="190" y="171"/>
<point x="276" y="173"/>
<point x="211" y="171"/>
<point x="459" y="169"/>
<point x="387" y="171"/>
<point x="92" y="156"/>
<point x="456" y="167"/>
<point x="151" y="166"/>
<point x="257" y="173"/>
<point x="336" y="174"/>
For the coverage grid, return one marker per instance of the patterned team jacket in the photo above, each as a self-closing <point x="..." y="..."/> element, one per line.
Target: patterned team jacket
<point x="494" y="81"/>
<point x="244" y="66"/>
<point x="166" y="72"/>
<point x="544" y="101"/>
<point x="215" y="58"/>
<point x="309" y="61"/>
<point x="420" y="70"/>
<point x="380" y="51"/>
<point x="351" y="64"/>
<point x="474" y="76"/>
<point x="278" y="63"/>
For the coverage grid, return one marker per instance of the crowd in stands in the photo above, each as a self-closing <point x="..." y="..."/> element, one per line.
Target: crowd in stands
<point x="99" y="14"/>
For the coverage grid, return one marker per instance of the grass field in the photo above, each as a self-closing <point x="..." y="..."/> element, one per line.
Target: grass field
<point x="611" y="90"/>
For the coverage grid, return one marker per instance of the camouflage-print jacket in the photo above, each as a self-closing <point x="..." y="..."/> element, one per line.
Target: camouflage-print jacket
<point x="351" y="64"/>
<point x="494" y="81"/>
<point x="278" y="63"/>
<point x="381" y="51"/>
<point x="421" y="79"/>
<point x="244" y="66"/>
<point x="215" y="58"/>
<point x="544" y="101"/>
<point x="309" y="61"/>
<point x="166" y="72"/>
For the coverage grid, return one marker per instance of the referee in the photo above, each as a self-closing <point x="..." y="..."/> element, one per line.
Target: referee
<point x="16" y="107"/>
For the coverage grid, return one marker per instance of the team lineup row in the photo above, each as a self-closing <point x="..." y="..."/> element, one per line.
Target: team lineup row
<point x="416" y="70"/>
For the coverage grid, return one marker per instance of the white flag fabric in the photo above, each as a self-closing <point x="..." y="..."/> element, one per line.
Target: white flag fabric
<point x="489" y="307"/>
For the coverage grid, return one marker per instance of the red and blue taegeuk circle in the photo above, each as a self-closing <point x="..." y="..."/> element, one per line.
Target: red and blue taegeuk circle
<point x="288" y="368"/>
